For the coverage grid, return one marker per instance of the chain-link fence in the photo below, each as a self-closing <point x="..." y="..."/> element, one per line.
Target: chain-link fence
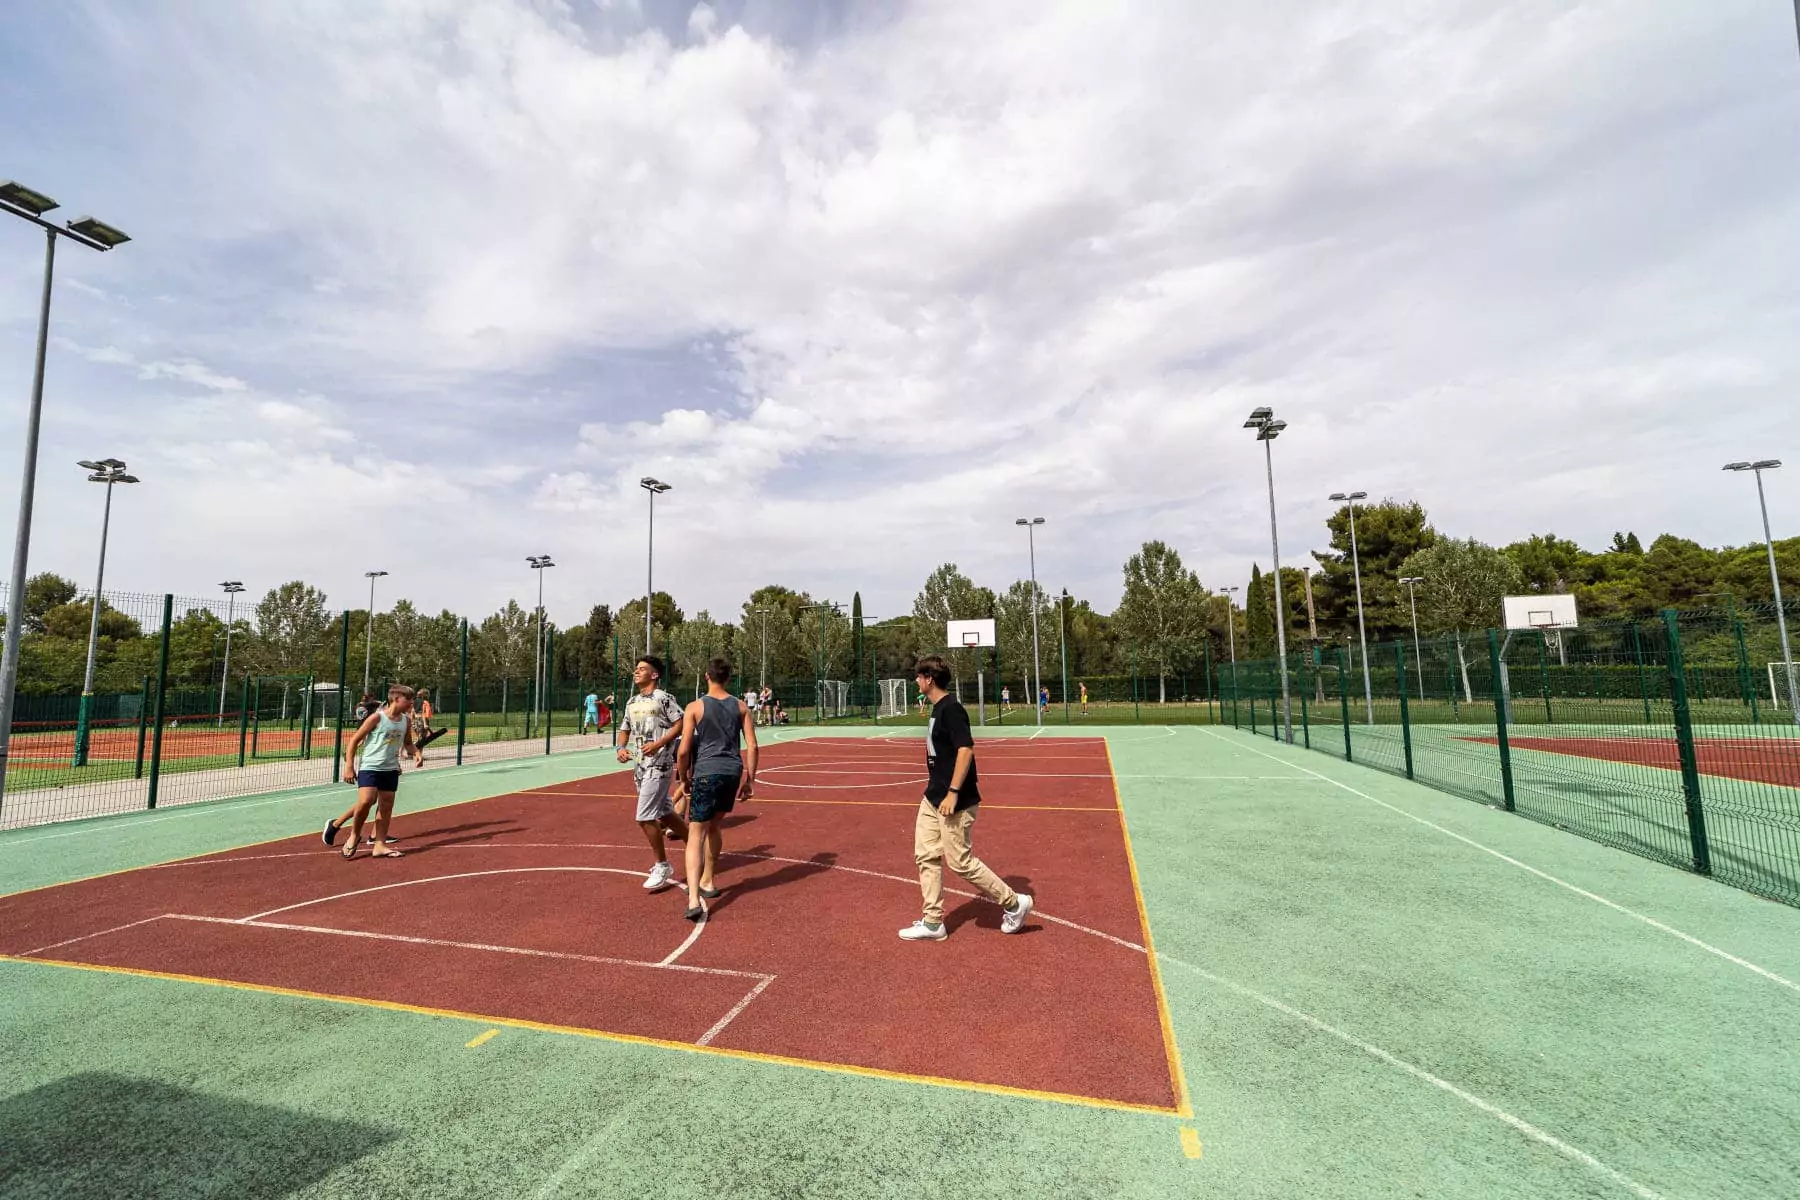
<point x="1672" y="738"/>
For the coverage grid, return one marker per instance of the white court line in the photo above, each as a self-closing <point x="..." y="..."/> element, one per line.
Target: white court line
<point x="84" y="937"/>
<point x="706" y="1038"/>
<point x="429" y="879"/>
<point x="665" y="965"/>
<point x="840" y="787"/>
<point x="1541" y="874"/>
<point x="699" y="928"/>
<point x="1525" y="1127"/>
<point x="805" y="862"/>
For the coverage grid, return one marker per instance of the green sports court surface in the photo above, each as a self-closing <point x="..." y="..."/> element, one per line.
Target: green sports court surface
<point x="1372" y="989"/>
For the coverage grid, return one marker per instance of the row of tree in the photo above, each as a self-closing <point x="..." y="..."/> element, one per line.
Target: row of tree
<point x="1165" y="623"/>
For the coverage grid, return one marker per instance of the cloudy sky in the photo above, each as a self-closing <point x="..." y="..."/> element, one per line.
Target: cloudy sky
<point x="428" y="285"/>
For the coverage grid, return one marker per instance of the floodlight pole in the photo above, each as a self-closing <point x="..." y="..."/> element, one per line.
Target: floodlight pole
<point x="1231" y="636"/>
<point x="1062" y="648"/>
<point x="1263" y="420"/>
<point x="1787" y="653"/>
<point x="1362" y="635"/>
<point x="1037" y="670"/>
<point x="369" y="632"/>
<point x="108" y="471"/>
<point x="538" y="667"/>
<point x="30" y="206"/>
<point x="232" y="588"/>
<point x="653" y="486"/>
<point x="1412" y="598"/>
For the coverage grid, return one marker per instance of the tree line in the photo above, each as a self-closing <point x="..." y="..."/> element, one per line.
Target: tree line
<point x="1165" y="623"/>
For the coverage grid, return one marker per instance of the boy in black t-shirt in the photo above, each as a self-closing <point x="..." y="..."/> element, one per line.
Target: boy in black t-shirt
<point x="946" y="819"/>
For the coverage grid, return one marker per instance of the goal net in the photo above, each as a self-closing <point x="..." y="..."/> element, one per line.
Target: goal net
<point x="834" y="698"/>
<point x="893" y="698"/>
<point x="1778" y="677"/>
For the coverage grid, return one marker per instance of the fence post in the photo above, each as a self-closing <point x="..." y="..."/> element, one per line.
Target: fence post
<point x="1236" y="722"/>
<point x="1344" y="701"/>
<point x="1405" y="713"/>
<point x="613" y="708"/>
<point x="243" y="718"/>
<point x="162" y="696"/>
<point x="1506" y="774"/>
<point x="337" y="748"/>
<point x="143" y="725"/>
<point x="549" y="687"/>
<point x="1637" y="645"/>
<point x="1207" y="661"/>
<point x="462" y="694"/>
<point x="1252" y="712"/>
<point x="1684" y="741"/>
<point x="1137" y="708"/>
<point x="1544" y="677"/>
<point x="1305" y="727"/>
<point x="1744" y="685"/>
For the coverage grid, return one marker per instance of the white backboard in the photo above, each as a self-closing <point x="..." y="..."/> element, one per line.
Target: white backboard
<point x="1539" y="612"/>
<point x="964" y="635"/>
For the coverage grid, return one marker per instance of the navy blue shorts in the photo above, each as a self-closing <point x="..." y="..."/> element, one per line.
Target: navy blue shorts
<point x="713" y="796"/>
<point x="381" y="781"/>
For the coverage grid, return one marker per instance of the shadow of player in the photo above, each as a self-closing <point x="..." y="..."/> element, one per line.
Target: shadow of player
<point x="476" y="831"/>
<point x="787" y="873"/>
<point x="984" y="913"/>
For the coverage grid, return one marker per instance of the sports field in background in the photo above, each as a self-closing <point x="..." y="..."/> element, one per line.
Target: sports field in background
<point x="1338" y="984"/>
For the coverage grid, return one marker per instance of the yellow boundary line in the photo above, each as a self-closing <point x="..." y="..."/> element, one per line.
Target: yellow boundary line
<point x="1177" y="1078"/>
<point x="632" y="1039"/>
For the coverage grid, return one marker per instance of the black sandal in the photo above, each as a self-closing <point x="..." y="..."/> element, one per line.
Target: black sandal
<point x="694" y="913"/>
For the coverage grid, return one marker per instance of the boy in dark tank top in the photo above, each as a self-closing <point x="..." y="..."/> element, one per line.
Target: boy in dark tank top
<point x="718" y="774"/>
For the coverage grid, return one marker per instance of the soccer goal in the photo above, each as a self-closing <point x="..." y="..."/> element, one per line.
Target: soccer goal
<point x="1778" y="677"/>
<point x="893" y="698"/>
<point x="834" y="698"/>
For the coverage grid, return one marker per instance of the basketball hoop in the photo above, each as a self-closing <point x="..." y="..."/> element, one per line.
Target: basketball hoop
<point x="971" y="638"/>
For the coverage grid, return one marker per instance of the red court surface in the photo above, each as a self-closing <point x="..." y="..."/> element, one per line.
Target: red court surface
<point x="121" y="744"/>
<point x="528" y="907"/>
<point x="1754" y="760"/>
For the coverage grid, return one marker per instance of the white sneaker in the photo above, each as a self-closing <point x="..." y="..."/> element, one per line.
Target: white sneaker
<point x="919" y="931"/>
<point x="1013" y="921"/>
<point x="660" y="877"/>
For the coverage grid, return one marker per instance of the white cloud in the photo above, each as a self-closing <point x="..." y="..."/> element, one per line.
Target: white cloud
<point x="966" y="259"/>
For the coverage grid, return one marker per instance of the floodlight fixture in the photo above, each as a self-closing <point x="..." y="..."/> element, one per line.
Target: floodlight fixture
<point x="102" y="235"/>
<point x="1349" y="496"/>
<point x="29" y="199"/>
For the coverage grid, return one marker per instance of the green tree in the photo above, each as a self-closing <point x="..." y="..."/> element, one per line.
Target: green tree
<point x="1163" y="610"/>
<point x="293" y="633"/>
<point x="949" y="595"/>
<point x="695" y="642"/>
<point x="1012" y="629"/>
<point x="500" y="650"/>
<point x="1386" y="534"/>
<point x="1259" y="613"/>
<point x="1549" y="564"/>
<point x="665" y="615"/>
<point x="43" y="593"/>
<point x="1464" y="581"/>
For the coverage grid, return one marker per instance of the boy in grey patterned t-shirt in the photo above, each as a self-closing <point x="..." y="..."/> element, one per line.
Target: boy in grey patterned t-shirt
<point x="648" y="734"/>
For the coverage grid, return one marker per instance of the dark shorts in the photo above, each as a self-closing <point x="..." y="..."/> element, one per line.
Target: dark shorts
<point x="381" y="781"/>
<point x="713" y="796"/>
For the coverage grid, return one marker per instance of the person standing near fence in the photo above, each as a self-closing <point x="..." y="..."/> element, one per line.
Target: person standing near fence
<point x="942" y="833"/>
<point x="717" y="773"/>
<point x="648" y="733"/>
<point x="590" y="712"/>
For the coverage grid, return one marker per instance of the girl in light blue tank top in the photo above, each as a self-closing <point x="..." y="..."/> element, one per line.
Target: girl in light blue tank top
<point x="374" y="767"/>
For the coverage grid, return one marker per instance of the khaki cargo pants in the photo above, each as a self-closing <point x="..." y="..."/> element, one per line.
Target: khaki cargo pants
<point x="939" y="842"/>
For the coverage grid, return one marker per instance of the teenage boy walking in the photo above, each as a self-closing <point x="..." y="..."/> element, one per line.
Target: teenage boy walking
<point x="717" y="773"/>
<point x="648" y="732"/>
<point x="946" y="821"/>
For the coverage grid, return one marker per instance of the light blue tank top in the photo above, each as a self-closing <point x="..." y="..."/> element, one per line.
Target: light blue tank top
<point x="381" y="749"/>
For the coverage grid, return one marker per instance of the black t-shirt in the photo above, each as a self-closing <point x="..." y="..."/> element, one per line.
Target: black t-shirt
<point x="949" y="732"/>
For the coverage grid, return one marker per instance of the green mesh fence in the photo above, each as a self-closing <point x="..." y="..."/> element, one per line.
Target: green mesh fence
<point x="1671" y="738"/>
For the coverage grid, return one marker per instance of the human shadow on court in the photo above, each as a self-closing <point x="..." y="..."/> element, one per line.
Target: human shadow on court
<point x="101" y="1135"/>
<point x="786" y="873"/>
<point x="979" y="910"/>
<point x="432" y="839"/>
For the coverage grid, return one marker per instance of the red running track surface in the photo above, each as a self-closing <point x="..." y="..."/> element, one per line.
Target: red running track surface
<point x="529" y="907"/>
<point x="1754" y="760"/>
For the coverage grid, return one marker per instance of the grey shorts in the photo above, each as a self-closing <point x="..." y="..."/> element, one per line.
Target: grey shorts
<point x="653" y="802"/>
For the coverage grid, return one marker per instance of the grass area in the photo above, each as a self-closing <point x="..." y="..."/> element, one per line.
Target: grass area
<point x="1376" y="989"/>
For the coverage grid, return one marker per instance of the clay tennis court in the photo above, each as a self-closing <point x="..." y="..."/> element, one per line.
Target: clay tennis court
<point x="1754" y="760"/>
<point x="527" y="908"/>
<point x="120" y="744"/>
